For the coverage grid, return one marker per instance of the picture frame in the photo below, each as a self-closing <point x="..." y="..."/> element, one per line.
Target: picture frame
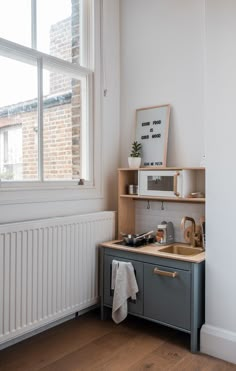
<point x="152" y="127"/>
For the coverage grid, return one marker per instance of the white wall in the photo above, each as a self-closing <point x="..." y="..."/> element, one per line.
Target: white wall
<point x="111" y="110"/>
<point x="184" y="53"/>
<point x="162" y="62"/>
<point x="219" y="333"/>
<point x="35" y="204"/>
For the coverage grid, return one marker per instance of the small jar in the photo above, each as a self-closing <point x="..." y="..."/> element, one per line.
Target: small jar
<point x="133" y="189"/>
<point x="161" y="234"/>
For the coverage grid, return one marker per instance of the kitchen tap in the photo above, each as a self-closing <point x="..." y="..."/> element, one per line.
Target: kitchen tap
<point x="194" y="236"/>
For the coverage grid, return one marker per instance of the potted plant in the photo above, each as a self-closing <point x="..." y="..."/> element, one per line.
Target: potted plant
<point x="135" y="156"/>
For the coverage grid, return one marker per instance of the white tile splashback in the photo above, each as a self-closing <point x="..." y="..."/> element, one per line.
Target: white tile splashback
<point x="148" y="219"/>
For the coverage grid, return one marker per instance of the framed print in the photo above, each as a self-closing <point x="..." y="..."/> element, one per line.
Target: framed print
<point x="152" y="125"/>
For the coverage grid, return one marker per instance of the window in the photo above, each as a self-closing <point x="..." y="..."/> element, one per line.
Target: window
<point x="50" y="26"/>
<point x="11" y="152"/>
<point x="46" y="92"/>
<point x="62" y="100"/>
<point x="18" y="120"/>
<point x="58" y="27"/>
<point x="15" y="25"/>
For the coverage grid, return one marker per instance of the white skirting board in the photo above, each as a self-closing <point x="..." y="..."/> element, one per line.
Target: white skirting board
<point x="219" y="343"/>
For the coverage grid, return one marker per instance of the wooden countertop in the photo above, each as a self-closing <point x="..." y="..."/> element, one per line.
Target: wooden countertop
<point x="154" y="249"/>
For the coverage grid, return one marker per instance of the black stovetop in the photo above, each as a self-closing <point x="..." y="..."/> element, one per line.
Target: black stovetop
<point x="139" y="243"/>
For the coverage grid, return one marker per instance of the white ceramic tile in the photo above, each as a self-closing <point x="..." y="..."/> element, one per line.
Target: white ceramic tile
<point x="148" y="219"/>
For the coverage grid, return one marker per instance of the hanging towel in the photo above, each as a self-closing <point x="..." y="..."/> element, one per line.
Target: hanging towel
<point x="124" y="284"/>
<point x="115" y="266"/>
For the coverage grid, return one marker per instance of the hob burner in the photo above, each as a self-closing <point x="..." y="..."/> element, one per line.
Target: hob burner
<point x="138" y="243"/>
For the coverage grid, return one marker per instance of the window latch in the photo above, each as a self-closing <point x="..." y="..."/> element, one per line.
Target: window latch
<point x="81" y="182"/>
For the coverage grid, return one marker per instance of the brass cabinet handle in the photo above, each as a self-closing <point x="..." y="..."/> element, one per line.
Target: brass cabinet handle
<point x="175" y="185"/>
<point x="165" y="273"/>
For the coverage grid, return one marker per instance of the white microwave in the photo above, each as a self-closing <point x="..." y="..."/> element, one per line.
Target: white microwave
<point x="166" y="183"/>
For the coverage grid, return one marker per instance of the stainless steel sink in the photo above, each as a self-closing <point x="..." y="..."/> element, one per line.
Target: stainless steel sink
<point x="181" y="250"/>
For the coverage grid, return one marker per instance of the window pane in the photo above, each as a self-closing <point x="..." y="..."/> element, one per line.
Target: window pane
<point x="58" y="28"/>
<point x="15" y="21"/>
<point x="18" y="121"/>
<point x="62" y="127"/>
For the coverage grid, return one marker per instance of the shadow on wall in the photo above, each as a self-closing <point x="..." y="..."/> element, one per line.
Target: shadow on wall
<point x="111" y="190"/>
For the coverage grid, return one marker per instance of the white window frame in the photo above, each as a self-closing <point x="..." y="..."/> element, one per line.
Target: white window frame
<point x="91" y="79"/>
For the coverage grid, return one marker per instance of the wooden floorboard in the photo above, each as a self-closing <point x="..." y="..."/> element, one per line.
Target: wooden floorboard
<point x="87" y="343"/>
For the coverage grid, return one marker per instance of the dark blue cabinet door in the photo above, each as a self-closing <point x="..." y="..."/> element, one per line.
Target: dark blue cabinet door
<point x="135" y="307"/>
<point x="167" y="295"/>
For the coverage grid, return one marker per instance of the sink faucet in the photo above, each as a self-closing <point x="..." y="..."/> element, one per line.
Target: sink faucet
<point x="194" y="235"/>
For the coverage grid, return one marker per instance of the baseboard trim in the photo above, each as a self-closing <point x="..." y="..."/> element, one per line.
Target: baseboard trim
<point x="46" y="327"/>
<point x="218" y="343"/>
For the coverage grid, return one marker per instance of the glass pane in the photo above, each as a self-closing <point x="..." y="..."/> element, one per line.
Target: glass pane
<point x="160" y="183"/>
<point x="18" y="121"/>
<point x="62" y="127"/>
<point x="59" y="29"/>
<point x="15" y="21"/>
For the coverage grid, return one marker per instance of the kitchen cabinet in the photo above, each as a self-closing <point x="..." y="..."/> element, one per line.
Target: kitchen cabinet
<point x="126" y="201"/>
<point x="171" y="292"/>
<point x="167" y="295"/>
<point x="171" y="289"/>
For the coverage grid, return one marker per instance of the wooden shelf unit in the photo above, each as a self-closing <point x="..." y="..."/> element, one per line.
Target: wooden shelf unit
<point x="126" y="202"/>
<point x="167" y="199"/>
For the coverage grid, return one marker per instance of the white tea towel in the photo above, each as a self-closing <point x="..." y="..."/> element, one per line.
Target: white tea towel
<point x="125" y="286"/>
<point x="115" y="266"/>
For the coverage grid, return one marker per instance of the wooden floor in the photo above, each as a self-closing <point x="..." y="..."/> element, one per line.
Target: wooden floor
<point x="86" y="343"/>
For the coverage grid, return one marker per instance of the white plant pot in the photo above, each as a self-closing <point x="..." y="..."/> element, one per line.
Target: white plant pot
<point x="134" y="162"/>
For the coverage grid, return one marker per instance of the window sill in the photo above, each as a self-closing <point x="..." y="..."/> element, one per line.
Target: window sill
<point x="32" y="185"/>
<point x="39" y="193"/>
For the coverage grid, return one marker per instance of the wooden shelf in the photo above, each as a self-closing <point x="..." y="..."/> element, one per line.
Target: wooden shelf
<point x="126" y="202"/>
<point x="161" y="168"/>
<point x="167" y="199"/>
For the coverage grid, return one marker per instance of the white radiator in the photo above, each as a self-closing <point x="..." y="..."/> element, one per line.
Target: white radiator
<point x="49" y="269"/>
